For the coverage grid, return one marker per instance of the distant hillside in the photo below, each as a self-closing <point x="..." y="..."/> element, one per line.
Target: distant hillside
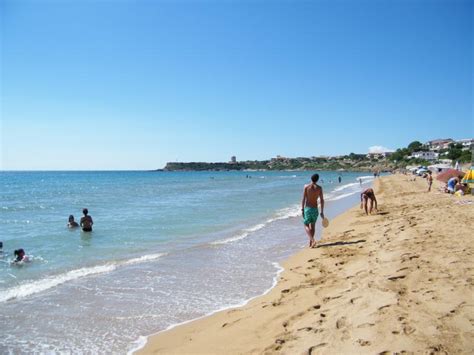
<point x="452" y="151"/>
<point x="356" y="163"/>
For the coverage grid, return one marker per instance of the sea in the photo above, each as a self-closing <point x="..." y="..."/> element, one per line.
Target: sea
<point x="167" y="248"/>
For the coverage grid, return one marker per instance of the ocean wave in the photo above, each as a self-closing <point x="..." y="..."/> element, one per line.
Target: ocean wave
<point x="338" y="197"/>
<point x="245" y="233"/>
<point x="30" y="288"/>
<point x="366" y="177"/>
<point x="283" y="213"/>
<point x="346" y="186"/>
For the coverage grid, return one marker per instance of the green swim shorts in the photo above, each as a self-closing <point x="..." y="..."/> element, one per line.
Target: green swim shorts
<point x="310" y="215"/>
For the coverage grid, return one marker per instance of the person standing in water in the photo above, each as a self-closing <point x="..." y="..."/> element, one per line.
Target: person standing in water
<point x="309" y="207"/>
<point x="86" y="221"/>
<point x="71" y="222"/>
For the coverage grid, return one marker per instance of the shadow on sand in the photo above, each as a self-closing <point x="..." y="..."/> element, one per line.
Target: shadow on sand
<point x="340" y="243"/>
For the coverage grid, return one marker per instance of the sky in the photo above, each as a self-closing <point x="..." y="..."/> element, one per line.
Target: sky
<point x="102" y="85"/>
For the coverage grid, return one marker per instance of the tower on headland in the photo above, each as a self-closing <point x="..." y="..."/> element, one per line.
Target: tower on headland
<point x="233" y="159"/>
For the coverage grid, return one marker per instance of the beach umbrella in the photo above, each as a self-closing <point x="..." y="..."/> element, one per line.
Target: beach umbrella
<point x="469" y="177"/>
<point x="448" y="174"/>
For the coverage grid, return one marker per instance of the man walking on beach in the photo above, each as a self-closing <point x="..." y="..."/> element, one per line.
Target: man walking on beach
<point x="309" y="207"/>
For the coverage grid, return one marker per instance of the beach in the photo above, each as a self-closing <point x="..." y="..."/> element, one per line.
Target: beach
<point x="399" y="281"/>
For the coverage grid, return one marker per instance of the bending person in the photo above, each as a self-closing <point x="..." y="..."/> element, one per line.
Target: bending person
<point x="365" y="196"/>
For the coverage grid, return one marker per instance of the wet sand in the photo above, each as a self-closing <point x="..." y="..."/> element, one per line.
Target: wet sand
<point x="400" y="281"/>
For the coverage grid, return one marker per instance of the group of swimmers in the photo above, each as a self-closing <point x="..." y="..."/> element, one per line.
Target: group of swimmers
<point x="85" y="223"/>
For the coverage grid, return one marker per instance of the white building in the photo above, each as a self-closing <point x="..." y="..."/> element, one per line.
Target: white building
<point x="466" y="143"/>
<point x="425" y="155"/>
<point x="378" y="155"/>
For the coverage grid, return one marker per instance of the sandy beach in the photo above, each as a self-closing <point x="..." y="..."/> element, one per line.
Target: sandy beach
<point x="400" y="281"/>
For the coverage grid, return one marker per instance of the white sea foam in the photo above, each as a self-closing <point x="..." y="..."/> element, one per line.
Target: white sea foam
<point x="33" y="287"/>
<point x="283" y="213"/>
<point x="245" y="233"/>
<point x="338" y="197"/>
<point x="366" y="177"/>
<point x="343" y="187"/>
<point x="142" y="340"/>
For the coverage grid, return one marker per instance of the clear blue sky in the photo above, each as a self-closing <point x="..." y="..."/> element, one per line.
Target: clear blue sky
<point x="134" y="84"/>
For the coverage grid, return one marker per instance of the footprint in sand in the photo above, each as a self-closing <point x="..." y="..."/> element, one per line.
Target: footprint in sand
<point x="363" y="342"/>
<point x="354" y="299"/>
<point x="341" y="322"/>
<point x="311" y="349"/>
<point x="408" y="330"/>
<point x="394" y="278"/>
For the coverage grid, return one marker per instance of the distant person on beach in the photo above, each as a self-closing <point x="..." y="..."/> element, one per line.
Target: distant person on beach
<point x="86" y="221"/>
<point x="309" y="207"/>
<point x="1" y="247"/>
<point x="20" y="256"/>
<point x="72" y="223"/>
<point x="365" y="196"/>
<point x="340" y="179"/>
<point x="430" y="180"/>
<point x="360" y="182"/>
<point x="450" y="185"/>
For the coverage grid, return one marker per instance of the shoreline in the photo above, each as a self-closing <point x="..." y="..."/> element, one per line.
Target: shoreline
<point x="333" y="209"/>
<point x="268" y="323"/>
<point x="143" y="341"/>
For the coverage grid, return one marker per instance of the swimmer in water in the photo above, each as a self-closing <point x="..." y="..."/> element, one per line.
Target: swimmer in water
<point x="86" y="221"/>
<point x="72" y="223"/>
<point x="20" y="256"/>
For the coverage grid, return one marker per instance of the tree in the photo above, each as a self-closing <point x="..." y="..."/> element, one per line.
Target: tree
<point x="415" y="146"/>
<point x="454" y="151"/>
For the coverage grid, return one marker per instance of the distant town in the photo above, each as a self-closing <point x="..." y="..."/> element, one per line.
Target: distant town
<point x="438" y="151"/>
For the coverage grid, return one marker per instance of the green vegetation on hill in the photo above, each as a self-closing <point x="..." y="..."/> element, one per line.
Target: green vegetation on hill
<point x="352" y="162"/>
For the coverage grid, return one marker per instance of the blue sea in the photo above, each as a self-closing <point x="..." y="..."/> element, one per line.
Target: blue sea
<point x="167" y="247"/>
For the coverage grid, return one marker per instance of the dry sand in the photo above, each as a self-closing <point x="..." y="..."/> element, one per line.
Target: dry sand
<point x="399" y="282"/>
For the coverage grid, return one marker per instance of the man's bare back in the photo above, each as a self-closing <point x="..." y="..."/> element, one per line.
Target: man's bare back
<point x="312" y="193"/>
<point x="86" y="221"/>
